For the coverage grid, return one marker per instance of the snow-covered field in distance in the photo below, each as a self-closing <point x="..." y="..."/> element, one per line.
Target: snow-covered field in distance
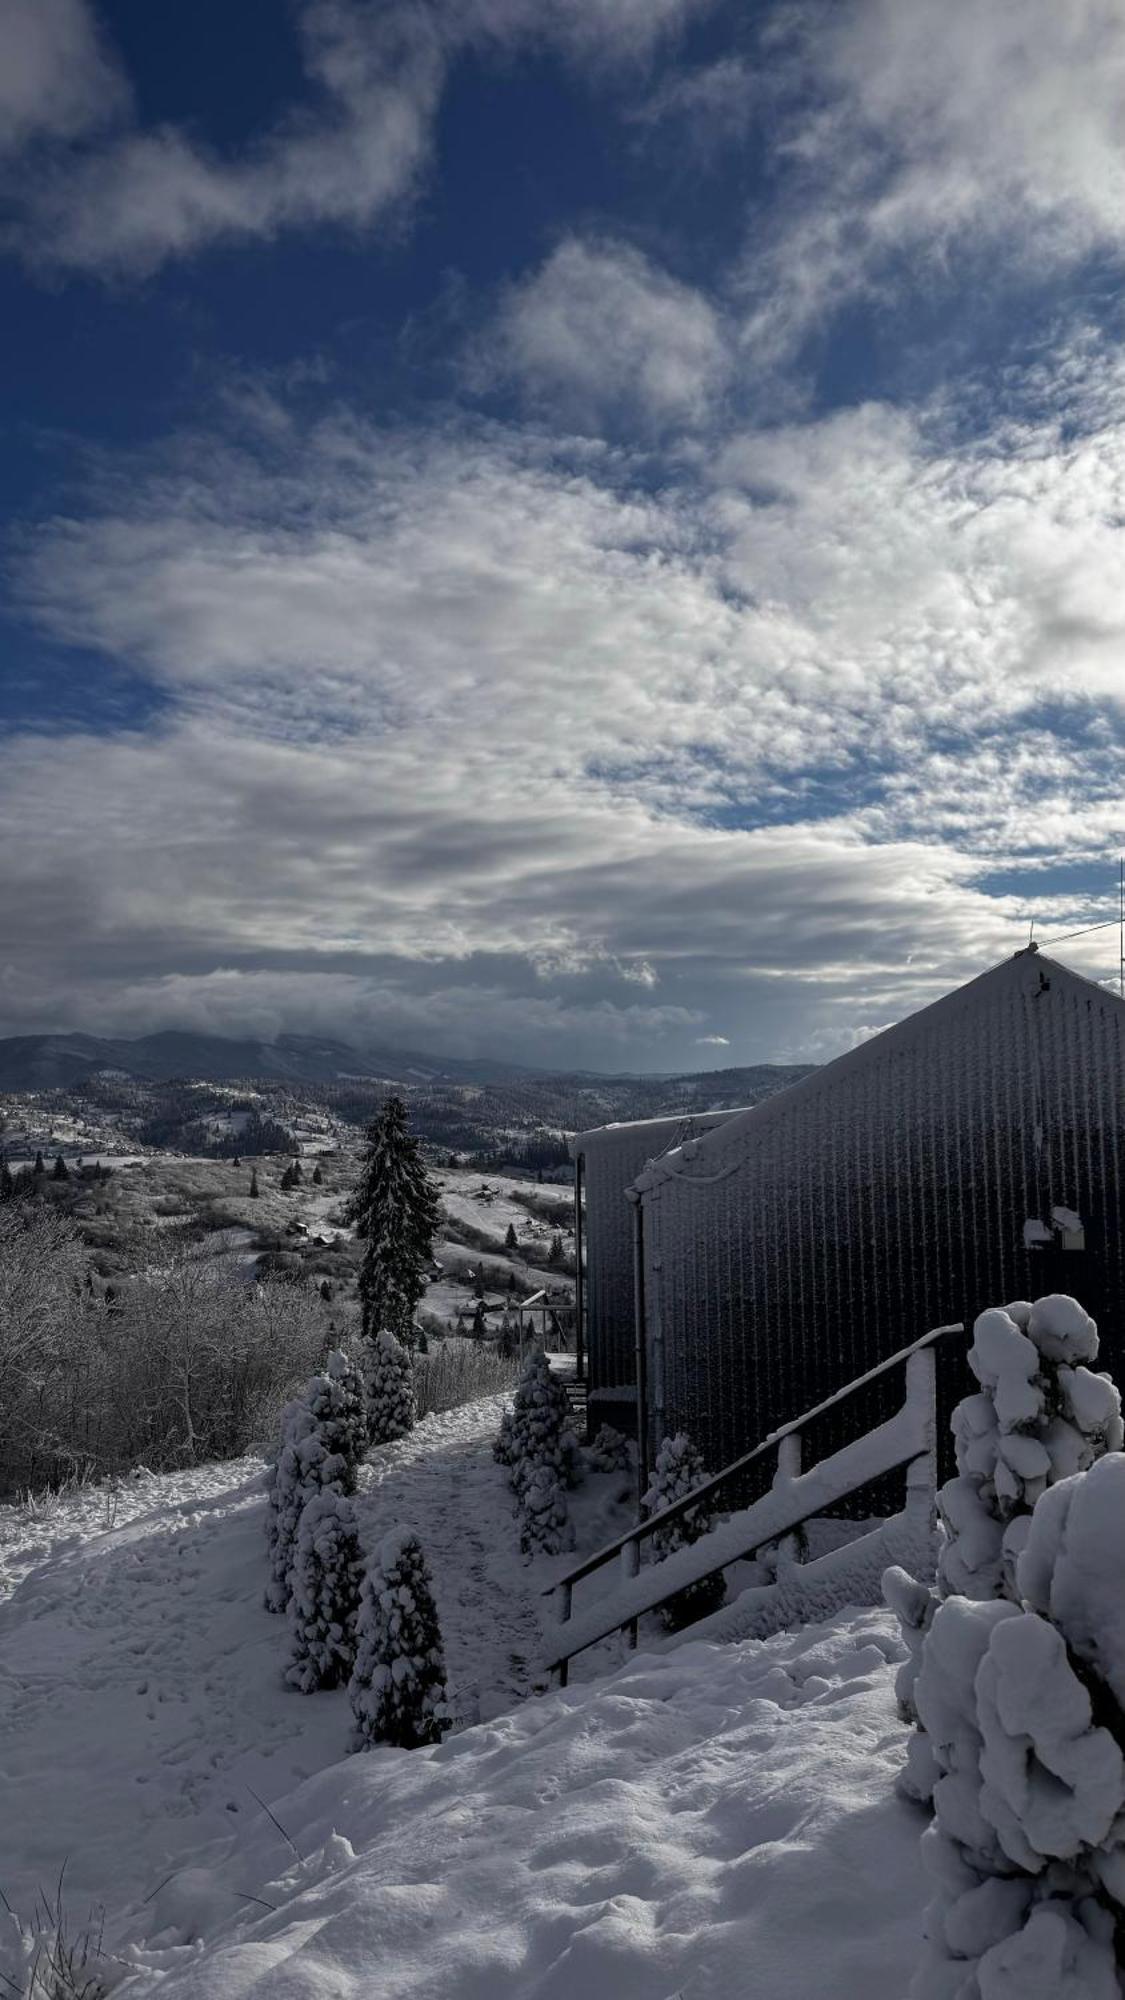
<point x="709" y="1822"/>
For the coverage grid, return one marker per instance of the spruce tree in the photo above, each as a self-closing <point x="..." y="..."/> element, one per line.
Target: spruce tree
<point x="338" y="1404"/>
<point x="38" y="1168"/>
<point x="60" y="1171"/>
<point x="308" y="1460"/>
<point x="395" y="1211"/>
<point x="325" y="1580"/>
<point x="318" y="1177"/>
<point x="254" y="1189"/>
<point x="510" y="1239"/>
<point x="397" y="1690"/>
<point x="7" y="1181"/>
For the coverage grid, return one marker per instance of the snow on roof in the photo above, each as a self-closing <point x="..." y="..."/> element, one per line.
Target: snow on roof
<point x="639" y="1128"/>
<point x="1027" y="967"/>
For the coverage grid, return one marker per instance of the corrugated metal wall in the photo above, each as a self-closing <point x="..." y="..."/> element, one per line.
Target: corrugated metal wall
<point x="828" y="1228"/>
<point x="612" y="1157"/>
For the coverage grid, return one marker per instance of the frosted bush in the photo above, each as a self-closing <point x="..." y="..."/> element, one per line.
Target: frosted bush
<point x="539" y="1431"/>
<point x="390" y="1389"/>
<point x="1040" y="1416"/>
<point x="1021" y="1702"/>
<point x="914" y="1605"/>
<point x="545" y="1524"/>
<point x="337" y="1404"/>
<point x="503" y="1446"/>
<point x="679" y="1469"/>
<point x="610" y="1451"/>
<point x="304" y="1465"/>
<point x="326" y="1577"/>
<point x="397" y="1689"/>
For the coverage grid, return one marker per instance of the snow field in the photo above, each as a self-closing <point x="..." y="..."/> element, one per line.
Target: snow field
<point x="711" y="1823"/>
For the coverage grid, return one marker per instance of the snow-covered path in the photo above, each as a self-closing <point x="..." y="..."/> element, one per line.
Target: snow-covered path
<point x="441" y="1481"/>
<point x="142" y="1699"/>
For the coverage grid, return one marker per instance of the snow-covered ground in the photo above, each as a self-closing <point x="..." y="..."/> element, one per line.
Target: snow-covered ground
<point x="709" y="1822"/>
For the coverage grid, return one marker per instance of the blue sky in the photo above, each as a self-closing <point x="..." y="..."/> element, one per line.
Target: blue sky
<point x="589" y="532"/>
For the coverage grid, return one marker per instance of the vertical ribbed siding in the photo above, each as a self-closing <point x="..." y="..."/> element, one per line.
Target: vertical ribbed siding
<point x="856" y="1215"/>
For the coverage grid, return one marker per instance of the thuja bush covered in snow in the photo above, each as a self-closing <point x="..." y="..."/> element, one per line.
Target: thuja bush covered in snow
<point x="679" y="1469"/>
<point x="390" y="1389"/>
<point x="325" y="1582"/>
<point x="337" y="1405"/>
<point x="309" y="1460"/>
<point x="1023" y="1699"/>
<point x="397" y="1689"/>
<point x="185" y="1363"/>
<point x="1040" y="1415"/>
<point x="610" y="1451"/>
<point x="541" y="1453"/>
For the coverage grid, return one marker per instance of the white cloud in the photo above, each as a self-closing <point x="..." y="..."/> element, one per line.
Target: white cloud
<point x="712" y="1041"/>
<point x="351" y="153"/>
<point x="56" y="79"/>
<point x="600" y="329"/>
<point x="910" y="136"/>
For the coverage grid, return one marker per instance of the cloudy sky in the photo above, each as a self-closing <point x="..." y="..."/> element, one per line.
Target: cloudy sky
<point x="591" y="531"/>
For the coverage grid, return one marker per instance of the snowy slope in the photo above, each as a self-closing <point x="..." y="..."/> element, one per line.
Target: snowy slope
<point x="711" y="1822"/>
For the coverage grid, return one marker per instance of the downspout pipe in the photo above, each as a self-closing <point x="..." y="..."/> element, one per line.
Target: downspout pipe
<point x="641" y="1346"/>
<point x="579" y="1272"/>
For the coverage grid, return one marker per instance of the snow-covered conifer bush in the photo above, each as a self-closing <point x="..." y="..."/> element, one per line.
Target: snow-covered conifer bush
<point x="610" y="1451"/>
<point x="304" y="1465"/>
<point x="390" y="1389"/>
<point x="502" y="1447"/>
<point x="546" y="1528"/>
<point x="679" y="1469"/>
<point x="326" y="1577"/>
<point x="540" y="1432"/>
<point x="1040" y="1415"/>
<point x="338" y="1404"/>
<point x="397" y="1689"/>
<point x="1022" y="1701"/>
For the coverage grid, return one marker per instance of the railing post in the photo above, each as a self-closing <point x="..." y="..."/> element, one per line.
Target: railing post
<point x="788" y="1469"/>
<point x="921" y="1473"/>
<point x="630" y="1561"/>
<point x="564" y="1596"/>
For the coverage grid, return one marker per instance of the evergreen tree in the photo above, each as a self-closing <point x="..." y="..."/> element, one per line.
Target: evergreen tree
<point x="390" y="1389"/>
<point x="395" y="1210"/>
<point x="397" y="1690"/>
<point x="60" y="1170"/>
<point x="679" y="1469"/>
<point x="38" y="1168"/>
<point x="326" y="1579"/>
<point x="254" y="1189"/>
<point x="554" y="1254"/>
<point x="338" y="1405"/>
<point x="318" y="1177"/>
<point x="296" y="1176"/>
<point x="304" y="1465"/>
<point x="7" y="1182"/>
<point x="510" y="1239"/>
<point x="538" y="1428"/>
<point x="545" y="1524"/>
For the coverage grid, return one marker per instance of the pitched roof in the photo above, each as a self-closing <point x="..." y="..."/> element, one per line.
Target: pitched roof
<point x="1026" y="968"/>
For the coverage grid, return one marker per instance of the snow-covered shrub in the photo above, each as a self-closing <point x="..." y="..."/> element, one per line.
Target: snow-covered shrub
<point x="503" y="1445"/>
<point x="338" y="1406"/>
<point x="1021" y="1701"/>
<point x="679" y="1469"/>
<point x="325" y="1582"/>
<point x="539" y="1432"/>
<point x="390" y="1389"/>
<point x="397" y="1689"/>
<point x="1040" y="1415"/>
<point x="304" y="1466"/>
<point x="545" y="1524"/>
<point x="610" y="1451"/>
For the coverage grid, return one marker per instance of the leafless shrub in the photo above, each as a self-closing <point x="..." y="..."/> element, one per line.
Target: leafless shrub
<point x="459" y="1371"/>
<point x="185" y="1362"/>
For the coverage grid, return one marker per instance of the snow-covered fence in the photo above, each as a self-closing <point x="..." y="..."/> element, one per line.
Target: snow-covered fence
<point x="907" y="1440"/>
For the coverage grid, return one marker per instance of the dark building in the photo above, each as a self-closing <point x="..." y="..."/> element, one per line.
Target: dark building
<point x="605" y="1161"/>
<point x="970" y="1155"/>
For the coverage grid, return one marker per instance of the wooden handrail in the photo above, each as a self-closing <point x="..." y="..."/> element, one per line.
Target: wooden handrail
<point x="678" y="1508"/>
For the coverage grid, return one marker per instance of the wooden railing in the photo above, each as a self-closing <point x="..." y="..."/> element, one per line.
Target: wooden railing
<point x="908" y="1439"/>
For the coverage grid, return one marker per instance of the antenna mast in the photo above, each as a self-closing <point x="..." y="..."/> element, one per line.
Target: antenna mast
<point x="1121" y="926"/>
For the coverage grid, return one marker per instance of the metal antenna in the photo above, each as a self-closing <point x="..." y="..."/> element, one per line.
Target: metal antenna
<point x="1121" y="926"/>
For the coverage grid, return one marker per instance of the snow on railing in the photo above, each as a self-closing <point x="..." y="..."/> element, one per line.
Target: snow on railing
<point x="908" y="1439"/>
